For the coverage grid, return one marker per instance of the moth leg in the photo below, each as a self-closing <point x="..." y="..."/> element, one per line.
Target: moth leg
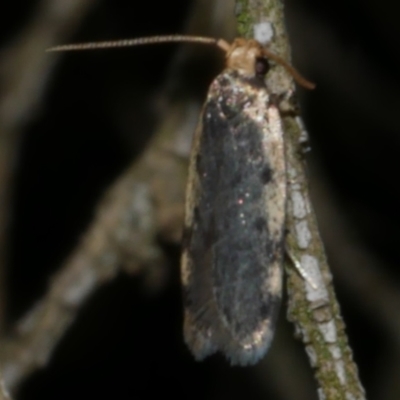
<point x="304" y="139"/>
<point x="303" y="273"/>
<point x="286" y="102"/>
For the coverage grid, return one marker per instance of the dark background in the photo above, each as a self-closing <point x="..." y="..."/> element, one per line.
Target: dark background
<point x="99" y="111"/>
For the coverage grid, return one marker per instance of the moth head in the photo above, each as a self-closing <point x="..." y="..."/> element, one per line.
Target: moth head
<point x="247" y="57"/>
<point x="252" y="59"/>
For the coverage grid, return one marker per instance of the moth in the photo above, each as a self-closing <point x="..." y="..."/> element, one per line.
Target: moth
<point x="233" y="240"/>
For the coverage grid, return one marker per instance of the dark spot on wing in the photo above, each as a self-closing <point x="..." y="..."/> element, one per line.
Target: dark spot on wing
<point x="266" y="175"/>
<point x="264" y="310"/>
<point x="260" y="224"/>
<point x="237" y="180"/>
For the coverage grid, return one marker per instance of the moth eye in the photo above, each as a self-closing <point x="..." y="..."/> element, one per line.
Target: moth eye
<point x="261" y="67"/>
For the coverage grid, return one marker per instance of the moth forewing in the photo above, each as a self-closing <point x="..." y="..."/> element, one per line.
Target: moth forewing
<point x="235" y="213"/>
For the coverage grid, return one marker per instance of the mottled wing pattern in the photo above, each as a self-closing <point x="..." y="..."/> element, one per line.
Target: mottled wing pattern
<point x="234" y="224"/>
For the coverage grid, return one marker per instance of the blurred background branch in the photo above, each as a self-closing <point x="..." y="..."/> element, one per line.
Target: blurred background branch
<point x="23" y="68"/>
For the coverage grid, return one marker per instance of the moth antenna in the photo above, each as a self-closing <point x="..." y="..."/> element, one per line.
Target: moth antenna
<point x="221" y="43"/>
<point x="138" y="42"/>
<point x="292" y="71"/>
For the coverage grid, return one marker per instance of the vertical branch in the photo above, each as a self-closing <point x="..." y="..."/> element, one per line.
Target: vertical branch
<point x="314" y="311"/>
